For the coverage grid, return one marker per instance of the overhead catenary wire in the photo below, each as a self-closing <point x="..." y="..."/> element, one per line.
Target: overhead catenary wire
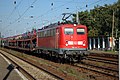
<point x="47" y="12"/>
<point x="86" y="6"/>
<point x="14" y="9"/>
<point x="53" y="9"/>
<point x="46" y="21"/>
<point x="25" y="11"/>
<point x="22" y="14"/>
<point x="12" y="12"/>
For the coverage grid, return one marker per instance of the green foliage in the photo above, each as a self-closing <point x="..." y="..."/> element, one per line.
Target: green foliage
<point x="99" y="20"/>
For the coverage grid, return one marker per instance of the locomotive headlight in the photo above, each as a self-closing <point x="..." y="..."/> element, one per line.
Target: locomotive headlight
<point x="66" y="44"/>
<point x="83" y="44"/>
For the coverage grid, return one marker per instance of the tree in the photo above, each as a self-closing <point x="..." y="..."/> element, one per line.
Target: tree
<point x="99" y="19"/>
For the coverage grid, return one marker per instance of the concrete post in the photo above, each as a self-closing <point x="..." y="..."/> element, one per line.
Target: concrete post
<point x="98" y="43"/>
<point x="93" y="43"/>
<point x="103" y="46"/>
<point x="108" y="42"/>
<point x="90" y="47"/>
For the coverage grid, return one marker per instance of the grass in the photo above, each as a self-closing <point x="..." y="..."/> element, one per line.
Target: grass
<point x="114" y="52"/>
<point x="107" y="51"/>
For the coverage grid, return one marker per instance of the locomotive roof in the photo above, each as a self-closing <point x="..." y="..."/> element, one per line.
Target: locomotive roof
<point x="54" y="26"/>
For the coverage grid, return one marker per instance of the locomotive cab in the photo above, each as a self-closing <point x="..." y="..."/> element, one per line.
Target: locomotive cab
<point x="73" y="40"/>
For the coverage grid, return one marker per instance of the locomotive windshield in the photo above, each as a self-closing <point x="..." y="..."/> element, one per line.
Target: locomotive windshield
<point x="80" y="31"/>
<point x="68" y="31"/>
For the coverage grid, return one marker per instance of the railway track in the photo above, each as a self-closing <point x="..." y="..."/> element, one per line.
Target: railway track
<point x="33" y="75"/>
<point x="104" y="60"/>
<point x="105" y="55"/>
<point x="99" y="70"/>
<point x="101" y="67"/>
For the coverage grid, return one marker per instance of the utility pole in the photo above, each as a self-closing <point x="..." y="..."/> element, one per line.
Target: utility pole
<point x="77" y="16"/>
<point x="113" y="29"/>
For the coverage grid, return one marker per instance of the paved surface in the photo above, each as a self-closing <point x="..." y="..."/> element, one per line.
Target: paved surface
<point x="7" y="72"/>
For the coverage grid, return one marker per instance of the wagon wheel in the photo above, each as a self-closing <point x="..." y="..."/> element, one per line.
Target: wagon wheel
<point x="71" y="60"/>
<point x="59" y="60"/>
<point x="79" y="59"/>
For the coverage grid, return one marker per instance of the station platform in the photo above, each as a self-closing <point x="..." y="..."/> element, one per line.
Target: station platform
<point x="7" y="71"/>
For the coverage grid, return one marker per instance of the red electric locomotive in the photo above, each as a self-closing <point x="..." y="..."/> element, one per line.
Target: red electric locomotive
<point x="68" y="41"/>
